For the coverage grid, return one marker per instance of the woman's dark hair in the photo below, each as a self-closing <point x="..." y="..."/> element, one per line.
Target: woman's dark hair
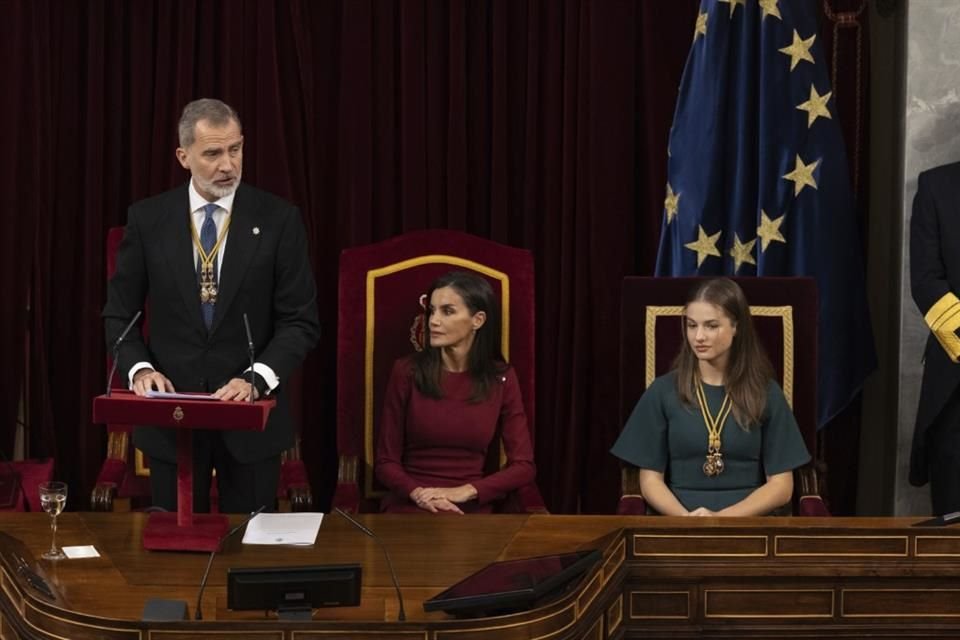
<point x="748" y="369"/>
<point x="485" y="362"/>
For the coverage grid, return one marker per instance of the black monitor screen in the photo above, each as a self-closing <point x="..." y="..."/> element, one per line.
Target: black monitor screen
<point x="512" y="585"/>
<point x="274" y="588"/>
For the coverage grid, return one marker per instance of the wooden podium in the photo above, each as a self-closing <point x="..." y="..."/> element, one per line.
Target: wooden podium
<point x="183" y="530"/>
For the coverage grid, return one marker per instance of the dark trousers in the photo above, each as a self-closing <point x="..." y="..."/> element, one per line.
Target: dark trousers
<point x="241" y="488"/>
<point x="943" y="458"/>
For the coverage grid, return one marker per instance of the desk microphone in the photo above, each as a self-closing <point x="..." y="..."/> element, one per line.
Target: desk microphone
<point x="250" y="351"/>
<point x="116" y="349"/>
<point x="198" y="614"/>
<point x="402" y="616"/>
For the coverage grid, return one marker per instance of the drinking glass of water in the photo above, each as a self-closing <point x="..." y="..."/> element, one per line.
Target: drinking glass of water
<point x="53" y="497"/>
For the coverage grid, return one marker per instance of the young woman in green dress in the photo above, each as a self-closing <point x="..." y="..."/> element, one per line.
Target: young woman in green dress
<point x="715" y="436"/>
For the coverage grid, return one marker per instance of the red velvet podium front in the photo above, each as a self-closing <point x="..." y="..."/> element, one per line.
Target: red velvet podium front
<point x="183" y="530"/>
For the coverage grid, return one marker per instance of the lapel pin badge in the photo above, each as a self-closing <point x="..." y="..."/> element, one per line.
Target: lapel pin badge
<point x="256" y="231"/>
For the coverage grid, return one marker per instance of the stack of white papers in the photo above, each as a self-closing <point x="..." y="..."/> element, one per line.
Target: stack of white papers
<point x="170" y="395"/>
<point x="283" y="528"/>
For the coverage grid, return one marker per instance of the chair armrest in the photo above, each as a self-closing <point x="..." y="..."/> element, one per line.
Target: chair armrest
<point x="807" y="487"/>
<point x="346" y="496"/>
<point x="812" y="506"/>
<point x="295" y="494"/>
<point x="110" y="478"/>
<point x="631" y="505"/>
<point x="631" y="500"/>
<point x="526" y="499"/>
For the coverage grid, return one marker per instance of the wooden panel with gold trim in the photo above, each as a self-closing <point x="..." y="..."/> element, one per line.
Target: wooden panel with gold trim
<point x="770" y="603"/>
<point x="515" y="627"/>
<point x="614" y="615"/>
<point x="347" y="634"/>
<point x="900" y="603"/>
<point x="595" y="632"/>
<point x="655" y="604"/>
<point x="936" y="547"/>
<point x="696" y="545"/>
<point x="840" y="546"/>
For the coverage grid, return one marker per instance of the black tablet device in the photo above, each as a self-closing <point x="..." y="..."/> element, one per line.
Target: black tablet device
<point x="512" y="585"/>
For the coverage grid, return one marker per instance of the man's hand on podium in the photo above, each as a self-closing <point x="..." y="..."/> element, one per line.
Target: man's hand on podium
<point x="147" y="380"/>
<point x="237" y="390"/>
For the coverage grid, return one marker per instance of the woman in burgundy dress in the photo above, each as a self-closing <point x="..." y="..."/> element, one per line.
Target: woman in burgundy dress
<point x="445" y="405"/>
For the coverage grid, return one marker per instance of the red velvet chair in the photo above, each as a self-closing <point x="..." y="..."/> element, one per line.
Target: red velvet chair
<point x="785" y="316"/>
<point x="379" y="320"/>
<point x="31" y="473"/>
<point x="123" y="482"/>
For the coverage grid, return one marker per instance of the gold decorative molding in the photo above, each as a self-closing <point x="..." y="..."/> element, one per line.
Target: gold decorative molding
<point x="784" y="313"/>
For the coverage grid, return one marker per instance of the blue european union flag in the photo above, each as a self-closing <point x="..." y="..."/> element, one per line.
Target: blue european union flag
<point x="757" y="176"/>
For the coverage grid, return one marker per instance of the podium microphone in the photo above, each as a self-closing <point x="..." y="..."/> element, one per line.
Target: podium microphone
<point x="401" y="616"/>
<point x="198" y="614"/>
<point x="246" y="325"/>
<point x="116" y="348"/>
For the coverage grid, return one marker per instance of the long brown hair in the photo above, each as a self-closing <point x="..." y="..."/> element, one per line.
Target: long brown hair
<point x="485" y="362"/>
<point x="748" y="369"/>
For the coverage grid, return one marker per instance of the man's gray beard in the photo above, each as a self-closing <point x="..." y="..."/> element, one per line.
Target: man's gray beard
<point x="217" y="190"/>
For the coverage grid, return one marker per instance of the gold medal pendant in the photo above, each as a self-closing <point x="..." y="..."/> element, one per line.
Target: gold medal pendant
<point x="713" y="466"/>
<point x="208" y="282"/>
<point x="713" y="463"/>
<point x="208" y="286"/>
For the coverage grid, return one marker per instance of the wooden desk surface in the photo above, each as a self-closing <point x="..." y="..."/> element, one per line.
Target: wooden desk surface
<point x="661" y="577"/>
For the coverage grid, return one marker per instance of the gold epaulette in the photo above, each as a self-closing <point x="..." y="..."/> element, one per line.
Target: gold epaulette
<point x="943" y="318"/>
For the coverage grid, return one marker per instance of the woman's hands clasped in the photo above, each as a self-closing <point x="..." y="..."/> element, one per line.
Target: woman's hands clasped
<point x="437" y="499"/>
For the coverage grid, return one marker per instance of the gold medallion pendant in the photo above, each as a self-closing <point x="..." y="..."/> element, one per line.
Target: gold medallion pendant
<point x="713" y="463"/>
<point x="713" y="466"/>
<point x="208" y="280"/>
<point x="208" y="285"/>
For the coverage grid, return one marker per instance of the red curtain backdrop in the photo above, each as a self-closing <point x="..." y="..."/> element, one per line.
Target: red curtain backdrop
<point x="536" y="123"/>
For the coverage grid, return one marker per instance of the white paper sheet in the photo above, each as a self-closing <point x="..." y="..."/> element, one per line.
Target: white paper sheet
<point x="81" y="551"/>
<point x="283" y="528"/>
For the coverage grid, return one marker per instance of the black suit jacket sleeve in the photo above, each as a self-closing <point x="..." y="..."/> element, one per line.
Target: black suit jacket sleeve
<point x="126" y="294"/>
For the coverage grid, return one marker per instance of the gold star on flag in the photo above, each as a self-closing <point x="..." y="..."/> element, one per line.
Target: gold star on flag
<point x="670" y="203"/>
<point x="701" y="28"/>
<point x="733" y="4"/>
<point x="705" y="245"/>
<point x="769" y="230"/>
<point x="742" y="252"/>
<point x="802" y="175"/>
<point x="799" y="49"/>
<point x="770" y="9"/>
<point x="816" y="106"/>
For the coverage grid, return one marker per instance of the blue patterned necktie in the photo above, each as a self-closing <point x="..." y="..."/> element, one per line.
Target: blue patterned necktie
<point x="208" y="239"/>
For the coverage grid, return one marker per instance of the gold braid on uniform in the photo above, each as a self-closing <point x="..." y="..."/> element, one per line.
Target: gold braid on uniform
<point x="943" y="318"/>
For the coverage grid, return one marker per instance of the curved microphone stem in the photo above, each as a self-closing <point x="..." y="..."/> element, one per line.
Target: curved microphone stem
<point x="197" y="611"/>
<point x="116" y="348"/>
<point x="113" y="370"/>
<point x="401" y="615"/>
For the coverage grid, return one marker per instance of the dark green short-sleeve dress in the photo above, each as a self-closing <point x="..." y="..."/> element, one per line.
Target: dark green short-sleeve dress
<point x="664" y="435"/>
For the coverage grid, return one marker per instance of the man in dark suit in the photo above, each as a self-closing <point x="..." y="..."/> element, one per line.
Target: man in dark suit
<point x="200" y="257"/>
<point x="935" y="281"/>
